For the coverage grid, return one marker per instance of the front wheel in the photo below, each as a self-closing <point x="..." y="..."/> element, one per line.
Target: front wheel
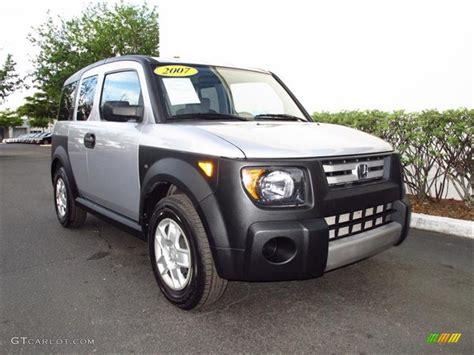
<point x="180" y="255"/>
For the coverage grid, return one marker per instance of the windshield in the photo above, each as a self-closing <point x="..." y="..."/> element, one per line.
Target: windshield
<point x="206" y="92"/>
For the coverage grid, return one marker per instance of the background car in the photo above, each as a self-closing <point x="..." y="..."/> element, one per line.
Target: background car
<point x="43" y="138"/>
<point x="30" y="138"/>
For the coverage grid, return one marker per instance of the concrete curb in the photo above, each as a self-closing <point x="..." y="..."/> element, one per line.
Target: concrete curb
<point x="457" y="227"/>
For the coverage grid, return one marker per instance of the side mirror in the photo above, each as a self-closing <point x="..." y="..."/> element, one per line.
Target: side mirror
<point x="121" y="111"/>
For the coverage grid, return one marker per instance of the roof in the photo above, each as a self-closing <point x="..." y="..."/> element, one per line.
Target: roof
<point x="150" y="60"/>
<point x="136" y="58"/>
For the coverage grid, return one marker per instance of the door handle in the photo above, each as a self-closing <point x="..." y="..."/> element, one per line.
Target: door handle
<point x="89" y="140"/>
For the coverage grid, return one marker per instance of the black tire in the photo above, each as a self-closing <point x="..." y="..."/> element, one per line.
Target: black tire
<point x="73" y="216"/>
<point x="205" y="287"/>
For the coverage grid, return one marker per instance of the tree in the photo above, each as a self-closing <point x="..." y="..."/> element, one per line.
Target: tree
<point x="41" y="122"/>
<point x="101" y="31"/>
<point x="9" y="79"/>
<point x="9" y="119"/>
<point x="39" y="105"/>
<point x="40" y="110"/>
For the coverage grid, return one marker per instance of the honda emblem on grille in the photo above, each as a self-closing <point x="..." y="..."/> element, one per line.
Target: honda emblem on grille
<point x="362" y="171"/>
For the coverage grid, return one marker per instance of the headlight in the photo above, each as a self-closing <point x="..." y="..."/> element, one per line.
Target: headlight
<point x="274" y="186"/>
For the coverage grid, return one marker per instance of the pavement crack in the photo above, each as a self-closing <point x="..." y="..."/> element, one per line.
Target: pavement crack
<point x="98" y="255"/>
<point x="240" y="300"/>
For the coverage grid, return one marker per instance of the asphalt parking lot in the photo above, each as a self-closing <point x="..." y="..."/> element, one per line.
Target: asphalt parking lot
<point x="96" y="283"/>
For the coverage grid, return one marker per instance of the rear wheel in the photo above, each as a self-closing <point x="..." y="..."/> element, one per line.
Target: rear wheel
<point x="180" y="255"/>
<point x="68" y="213"/>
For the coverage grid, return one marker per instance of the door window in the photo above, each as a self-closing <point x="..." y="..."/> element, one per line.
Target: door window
<point x="121" y="89"/>
<point x="66" y="105"/>
<point x="86" y="98"/>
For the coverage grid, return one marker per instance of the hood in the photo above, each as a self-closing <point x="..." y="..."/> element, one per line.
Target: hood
<point x="295" y="139"/>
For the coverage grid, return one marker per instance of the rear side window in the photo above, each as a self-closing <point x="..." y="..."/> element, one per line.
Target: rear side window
<point x="66" y="105"/>
<point x="121" y="89"/>
<point x="86" y="98"/>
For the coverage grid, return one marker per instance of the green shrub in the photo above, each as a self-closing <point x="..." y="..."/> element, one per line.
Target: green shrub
<point x="435" y="147"/>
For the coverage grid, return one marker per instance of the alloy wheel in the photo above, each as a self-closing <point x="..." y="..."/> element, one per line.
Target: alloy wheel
<point x="173" y="254"/>
<point x="61" y="198"/>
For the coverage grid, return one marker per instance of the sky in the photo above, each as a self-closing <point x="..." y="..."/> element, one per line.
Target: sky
<point x="334" y="55"/>
<point x="17" y="18"/>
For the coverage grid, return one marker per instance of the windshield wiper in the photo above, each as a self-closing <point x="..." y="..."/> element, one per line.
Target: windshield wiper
<point x="278" y="116"/>
<point x="207" y="116"/>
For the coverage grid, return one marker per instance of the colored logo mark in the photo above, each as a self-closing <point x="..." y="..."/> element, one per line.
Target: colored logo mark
<point x="443" y="338"/>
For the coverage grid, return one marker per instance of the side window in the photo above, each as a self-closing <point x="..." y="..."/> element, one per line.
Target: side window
<point x="86" y="98"/>
<point x="121" y="89"/>
<point x="66" y="105"/>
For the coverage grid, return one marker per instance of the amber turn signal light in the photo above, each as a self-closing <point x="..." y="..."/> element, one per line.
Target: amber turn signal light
<point x="250" y="177"/>
<point x="207" y="167"/>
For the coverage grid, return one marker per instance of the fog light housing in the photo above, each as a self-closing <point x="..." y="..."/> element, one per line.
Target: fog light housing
<point x="279" y="250"/>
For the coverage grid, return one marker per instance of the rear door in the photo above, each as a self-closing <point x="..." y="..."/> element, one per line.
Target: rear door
<point x="85" y="101"/>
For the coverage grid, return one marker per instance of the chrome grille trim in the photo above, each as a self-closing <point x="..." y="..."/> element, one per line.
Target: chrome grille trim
<point x="343" y="171"/>
<point x="359" y="221"/>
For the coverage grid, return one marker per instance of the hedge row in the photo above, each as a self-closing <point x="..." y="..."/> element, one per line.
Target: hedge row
<point x="435" y="147"/>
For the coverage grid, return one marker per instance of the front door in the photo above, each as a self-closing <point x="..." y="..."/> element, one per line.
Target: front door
<point x="112" y="155"/>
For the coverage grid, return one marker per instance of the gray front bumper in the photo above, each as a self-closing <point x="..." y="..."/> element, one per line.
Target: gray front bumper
<point x="360" y="246"/>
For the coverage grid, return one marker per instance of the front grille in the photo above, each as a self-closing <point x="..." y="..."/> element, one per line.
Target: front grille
<point x="354" y="170"/>
<point x="347" y="224"/>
